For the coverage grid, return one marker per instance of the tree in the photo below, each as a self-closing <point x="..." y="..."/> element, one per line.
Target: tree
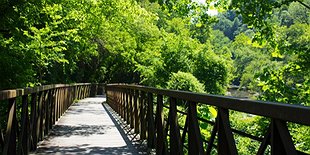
<point x="212" y="71"/>
<point x="230" y="23"/>
<point x="185" y="81"/>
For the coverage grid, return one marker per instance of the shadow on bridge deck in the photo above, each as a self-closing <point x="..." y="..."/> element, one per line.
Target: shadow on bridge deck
<point x="90" y="127"/>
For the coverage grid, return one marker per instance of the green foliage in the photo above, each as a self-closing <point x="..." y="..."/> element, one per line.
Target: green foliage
<point x="185" y="81"/>
<point x="75" y="42"/>
<point x="212" y="71"/>
<point x="254" y="14"/>
<point x="248" y="60"/>
<point x="295" y="41"/>
<point x="288" y="85"/>
<point x="300" y="135"/>
<point x="230" y="23"/>
<point x="251" y="124"/>
<point x="45" y="36"/>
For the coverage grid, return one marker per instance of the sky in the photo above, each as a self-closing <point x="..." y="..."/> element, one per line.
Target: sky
<point x="211" y="12"/>
<point x="199" y="1"/>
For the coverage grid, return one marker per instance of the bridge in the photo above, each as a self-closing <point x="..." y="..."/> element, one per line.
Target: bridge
<point x="131" y="119"/>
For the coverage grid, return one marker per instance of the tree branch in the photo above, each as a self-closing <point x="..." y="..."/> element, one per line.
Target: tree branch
<point x="302" y="3"/>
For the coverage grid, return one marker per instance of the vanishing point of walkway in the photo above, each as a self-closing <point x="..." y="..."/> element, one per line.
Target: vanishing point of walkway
<point x="87" y="128"/>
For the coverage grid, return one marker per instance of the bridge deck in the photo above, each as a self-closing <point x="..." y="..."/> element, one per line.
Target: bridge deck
<point x="87" y="128"/>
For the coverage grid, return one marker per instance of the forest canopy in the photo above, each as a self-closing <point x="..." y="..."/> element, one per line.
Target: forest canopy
<point x="262" y="46"/>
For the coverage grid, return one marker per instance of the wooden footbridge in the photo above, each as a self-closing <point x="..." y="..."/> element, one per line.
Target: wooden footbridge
<point x="130" y="119"/>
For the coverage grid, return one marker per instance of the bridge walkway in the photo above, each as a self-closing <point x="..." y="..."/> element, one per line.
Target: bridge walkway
<point x="88" y="127"/>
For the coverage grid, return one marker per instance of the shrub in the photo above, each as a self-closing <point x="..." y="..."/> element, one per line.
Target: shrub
<point x="185" y="81"/>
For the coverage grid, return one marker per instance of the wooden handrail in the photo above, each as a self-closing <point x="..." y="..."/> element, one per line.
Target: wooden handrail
<point x="12" y="93"/>
<point x="135" y="104"/>
<point x="297" y="113"/>
<point x="41" y="107"/>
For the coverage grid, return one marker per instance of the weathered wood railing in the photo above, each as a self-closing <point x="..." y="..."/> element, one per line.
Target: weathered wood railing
<point x="135" y="104"/>
<point x="32" y="112"/>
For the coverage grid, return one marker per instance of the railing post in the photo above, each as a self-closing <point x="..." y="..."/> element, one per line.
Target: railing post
<point x="66" y="98"/>
<point x="118" y="103"/>
<point x="53" y="101"/>
<point x="136" y="111"/>
<point x="226" y="143"/>
<point x="212" y="138"/>
<point x="127" y="100"/>
<point x="125" y="105"/>
<point x="77" y="96"/>
<point x="115" y="106"/>
<point x="33" y="122"/>
<point x="131" y="107"/>
<point x="281" y="140"/>
<point x="160" y="139"/>
<point x="59" y="96"/>
<point x="110" y="98"/>
<point x="57" y="103"/>
<point x="150" y="122"/>
<point x="48" y="111"/>
<point x="175" y="138"/>
<point x="52" y="111"/>
<point x="89" y="90"/>
<point x="84" y="91"/>
<point x="10" y="137"/>
<point x="185" y="128"/>
<point x="1" y="138"/>
<point x="63" y="101"/>
<point x="74" y="93"/>
<point x="39" y="116"/>
<point x="45" y="114"/>
<point x="122" y="104"/>
<point x="24" y="136"/>
<point x="142" y="115"/>
<point x="194" y="137"/>
<point x="81" y="91"/>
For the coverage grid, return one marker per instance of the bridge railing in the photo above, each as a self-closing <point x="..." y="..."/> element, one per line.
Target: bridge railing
<point x="145" y="110"/>
<point x="31" y="113"/>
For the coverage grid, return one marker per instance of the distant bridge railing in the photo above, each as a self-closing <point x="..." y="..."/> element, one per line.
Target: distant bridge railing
<point x="31" y="112"/>
<point x="138" y="105"/>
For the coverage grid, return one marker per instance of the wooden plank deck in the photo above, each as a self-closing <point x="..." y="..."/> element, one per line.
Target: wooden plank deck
<point x="87" y="128"/>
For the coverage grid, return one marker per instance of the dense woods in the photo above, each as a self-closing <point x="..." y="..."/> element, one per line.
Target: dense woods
<point x="260" y="45"/>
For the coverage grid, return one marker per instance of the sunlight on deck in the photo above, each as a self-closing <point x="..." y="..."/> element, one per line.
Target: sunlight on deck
<point x="86" y="128"/>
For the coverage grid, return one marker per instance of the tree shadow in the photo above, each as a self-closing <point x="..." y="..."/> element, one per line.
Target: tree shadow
<point x="78" y="107"/>
<point x="85" y="150"/>
<point x="81" y="130"/>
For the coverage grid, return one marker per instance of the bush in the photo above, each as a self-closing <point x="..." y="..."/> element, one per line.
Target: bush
<point x="185" y="81"/>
